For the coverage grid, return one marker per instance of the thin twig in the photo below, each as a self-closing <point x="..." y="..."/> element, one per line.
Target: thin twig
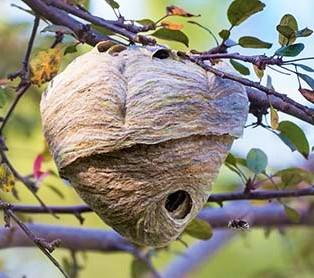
<point x="39" y="242"/>
<point x="260" y="195"/>
<point x="21" y="91"/>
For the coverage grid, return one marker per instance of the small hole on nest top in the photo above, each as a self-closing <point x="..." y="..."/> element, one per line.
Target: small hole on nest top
<point x="161" y="54"/>
<point x="179" y="204"/>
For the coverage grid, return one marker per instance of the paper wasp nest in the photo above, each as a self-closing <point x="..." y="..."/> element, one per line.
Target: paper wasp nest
<point x="141" y="138"/>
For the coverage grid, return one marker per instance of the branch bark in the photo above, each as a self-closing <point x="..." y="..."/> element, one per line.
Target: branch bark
<point x="57" y="12"/>
<point x="214" y="198"/>
<point x="86" y="239"/>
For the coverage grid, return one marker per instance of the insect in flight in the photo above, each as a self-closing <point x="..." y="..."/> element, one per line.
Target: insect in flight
<point x="238" y="224"/>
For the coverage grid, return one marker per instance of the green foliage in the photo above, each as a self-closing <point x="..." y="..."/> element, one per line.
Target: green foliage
<point x="252" y="42"/>
<point x="145" y="21"/>
<point x="290" y="50"/>
<point x="199" y="229"/>
<point x="287" y="27"/>
<point x="240" y="67"/>
<point x="293" y="176"/>
<point x="224" y="34"/>
<point x="240" y="10"/>
<point x="295" y="136"/>
<point x="113" y="4"/>
<point x="256" y="161"/>
<point x="70" y="49"/>
<point x="171" y="35"/>
<point x="3" y="97"/>
<point x="292" y="214"/>
<point x="304" y="67"/>
<point x="309" y="80"/>
<point x="102" y="30"/>
<point x="139" y="269"/>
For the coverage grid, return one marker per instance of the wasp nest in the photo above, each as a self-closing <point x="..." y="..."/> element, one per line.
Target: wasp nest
<point x="141" y="137"/>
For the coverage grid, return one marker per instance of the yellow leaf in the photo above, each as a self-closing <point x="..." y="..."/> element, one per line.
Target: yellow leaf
<point x="172" y="25"/>
<point x="274" y="118"/>
<point x="259" y="72"/>
<point x="75" y="2"/>
<point x="45" y="65"/>
<point x="7" y="179"/>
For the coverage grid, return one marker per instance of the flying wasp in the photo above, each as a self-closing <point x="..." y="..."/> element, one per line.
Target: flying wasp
<point x="238" y="224"/>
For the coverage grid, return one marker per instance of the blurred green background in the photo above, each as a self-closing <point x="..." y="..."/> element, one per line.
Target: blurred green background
<point x="285" y="254"/>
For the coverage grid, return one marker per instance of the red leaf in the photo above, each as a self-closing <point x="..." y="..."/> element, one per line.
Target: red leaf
<point x="308" y="94"/>
<point x="174" y="10"/>
<point x="37" y="166"/>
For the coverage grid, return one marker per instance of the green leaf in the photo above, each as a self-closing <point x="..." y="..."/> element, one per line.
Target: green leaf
<point x="286" y="34"/>
<point x="145" y="21"/>
<point x="58" y="29"/>
<point x="231" y="159"/>
<point x="287" y="141"/>
<point x="239" y="67"/>
<point x="253" y="42"/>
<point x="292" y="214"/>
<point x="240" y="10"/>
<point x="113" y="4"/>
<point x="290" y="50"/>
<point x="309" y="80"/>
<point x="102" y="30"/>
<point x="296" y="136"/>
<point x="139" y="269"/>
<point x="70" y="49"/>
<point x="304" y="67"/>
<point x="289" y="21"/>
<point x="256" y="160"/>
<point x="3" y="97"/>
<point x="199" y="229"/>
<point x="171" y="35"/>
<point x="306" y="32"/>
<point x="224" y="34"/>
<point x="293" y="176"/>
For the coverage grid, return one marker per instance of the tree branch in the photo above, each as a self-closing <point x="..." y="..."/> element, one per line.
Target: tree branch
<point x="132" y="36"/>
<point x="86" y="239"/>
<point x="59" y="17"/>
<point x="259" y="98"/>
<point x="268" y="91"/>
<point x="260" y="195"/>
<point x="57" y="11"/>
<point x="214" y="198"/>
<point x="45" y="246"/>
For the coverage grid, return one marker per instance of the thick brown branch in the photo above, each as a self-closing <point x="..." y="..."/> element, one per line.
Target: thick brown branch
<point x="259" y="98"/>
<point x="269" y="92"/>
<point x="59" y="17"/>
<point x="86" y="239"/>
<point x="133" y="36"/>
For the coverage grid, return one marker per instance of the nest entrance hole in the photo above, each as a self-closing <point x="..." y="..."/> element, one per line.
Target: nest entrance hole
<point x="179" y="204"/>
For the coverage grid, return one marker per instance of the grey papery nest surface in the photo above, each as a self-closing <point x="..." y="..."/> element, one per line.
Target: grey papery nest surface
<point x="140" y="138"/>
